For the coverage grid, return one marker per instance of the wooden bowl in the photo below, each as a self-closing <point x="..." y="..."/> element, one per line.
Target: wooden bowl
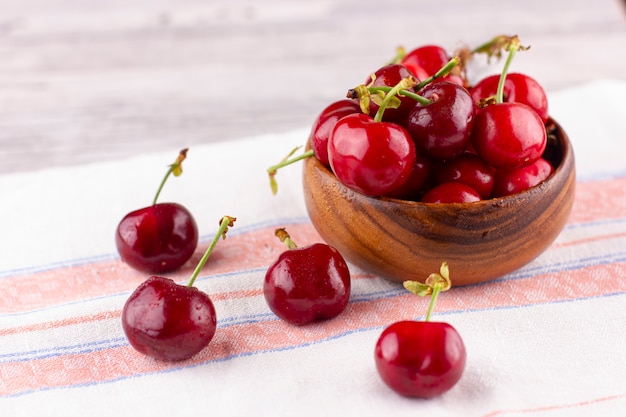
<point x="481" y="241"/>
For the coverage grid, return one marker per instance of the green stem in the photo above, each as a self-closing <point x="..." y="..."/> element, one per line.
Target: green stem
<point x="407" y="93"/>
<point x="288" y="160"/>
<point x="167" y="174"/>
<point x="284" y="237"/>
<point x="402" y="85"/>
<point x="433" y="299"/>
<point x="443" y="71"/>
<point x="175" y="168"/>
<point x="500" y="91"/>
<point x="221" y="232"/>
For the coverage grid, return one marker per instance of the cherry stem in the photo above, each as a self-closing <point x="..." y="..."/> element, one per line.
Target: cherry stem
<point x="434" y="284"/>
<point x="433" y="300"/>
<point x="512" y="47"/>
<point x="494" y="46"/>
<point x="407" y="93"/>
<point x="400" y="55"/>
<point x="225" y="223"/>
<point x="404" y="84"/>
<point x="288" y="160"/>
<point x="284" y="237"/>
<point x="443" y="71"/>
<point x="176" y="168"/>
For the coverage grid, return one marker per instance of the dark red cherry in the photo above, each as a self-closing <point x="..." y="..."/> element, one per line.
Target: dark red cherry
<point x="372" y="157"/>
<point x="389" y="76"/>
<point x="451" y="192"/>
<point x="324" y="124"/>
<point x="157" y="238"/>
<point x="420" y="358"/>
<point x="419" y="179"/>
<point x="168" y="321"/>
<point x="160" y="237"/>
<point x="441" y="130"/>
<point x="518" y="88"/>
<point x="508" y="135"/>
<point x="518" y="180"/>
<point x="307" y="284"/>
<point x="468" y="169"/>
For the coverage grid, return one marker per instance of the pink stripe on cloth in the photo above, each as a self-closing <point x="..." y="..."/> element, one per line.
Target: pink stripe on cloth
<point x="60" y="285"/>
<point x="272" y="335"/>
<point x="249" y="250"/>
<point x="579" y="405"/>
<point x="599" y="200"/>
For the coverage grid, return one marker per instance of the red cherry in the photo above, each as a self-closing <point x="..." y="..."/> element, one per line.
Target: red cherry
<point x="518" y="88"/>
<point x="420" y="177"/>
<point x="420" y="359"/>
<point x="324" y="124"/>
<point x="372" y="157"/>
<point x="389" y="76"/>
<point x="509" y="135"/>
<point x="426" y="60"/>
<point x="451" y="192"/>
<point x="470" y="170"/>
<point x="441" y="130"/>
<point x="160" y="237"/>
<point x="307" y="284"/>
<point x="169" y="321"/>
<point x="430" y="58"/>
<point x="518" y="180"/>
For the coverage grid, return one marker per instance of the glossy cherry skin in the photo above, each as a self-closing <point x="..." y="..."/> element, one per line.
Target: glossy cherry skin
<point x="430" y="58"/>
<point x="324" y="124"/>
<point x="418" y="181"/>
<point x="372" y="157"/>
<point x="518" y="88"/>
<point x="420" y="359"/>
<point x="518" y="180"/>
<point x="426" y="60"/>
<point x="168" y="321"/>
<point x="157" y="238"/>
<point x="470" y="170"/>
<point x="451" y="192"/>
<point x="441" y="130"/>
<point x="389" y="76"/>
<point x="508" y="135"/>
<point x="307" y="284"/>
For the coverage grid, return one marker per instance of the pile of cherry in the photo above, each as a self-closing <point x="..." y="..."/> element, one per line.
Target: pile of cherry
<point x="433" y="138"/>
<point x="417" y="130"/>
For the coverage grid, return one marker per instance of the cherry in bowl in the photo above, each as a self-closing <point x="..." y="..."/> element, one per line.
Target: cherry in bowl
<point x="485" y="239"/>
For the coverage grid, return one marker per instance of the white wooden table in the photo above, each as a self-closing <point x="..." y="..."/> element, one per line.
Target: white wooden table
<point x="84" y="81"/>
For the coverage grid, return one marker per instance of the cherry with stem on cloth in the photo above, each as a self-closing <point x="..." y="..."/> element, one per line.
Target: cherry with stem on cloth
<point x="170" y="321"/>
<point x="306" y="284"/>
<point x="422" y="359"/>
<point x="160" y="237"/>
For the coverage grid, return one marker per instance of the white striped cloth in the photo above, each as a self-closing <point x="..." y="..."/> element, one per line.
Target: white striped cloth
<point x="548" y="340"/>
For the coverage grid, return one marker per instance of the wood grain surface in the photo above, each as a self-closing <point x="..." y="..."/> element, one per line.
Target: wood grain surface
<point x="483" y="240"/>
<point x="84" y="81"/>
